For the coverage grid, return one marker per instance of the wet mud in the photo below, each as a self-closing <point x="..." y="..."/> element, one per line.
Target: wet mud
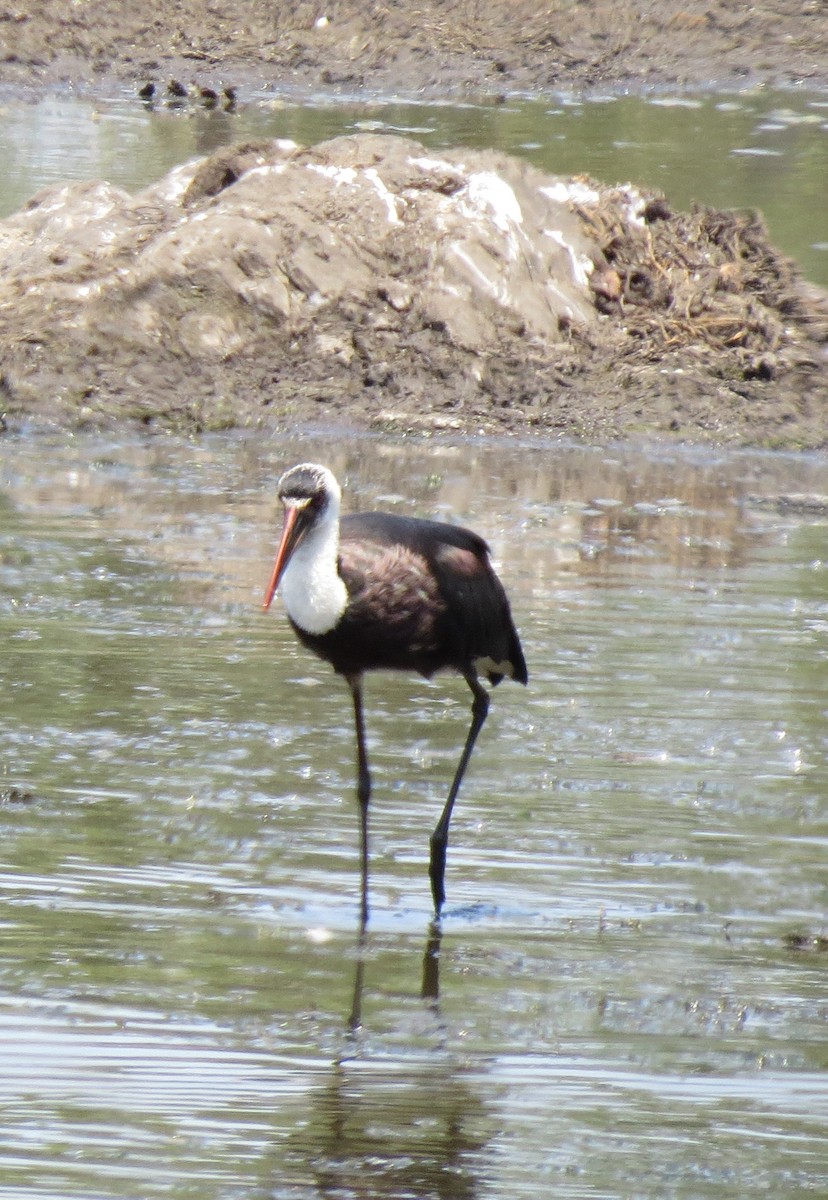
<point x="432" y="49"/>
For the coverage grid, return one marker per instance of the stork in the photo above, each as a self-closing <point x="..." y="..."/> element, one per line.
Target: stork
<point x="378" y="591"/>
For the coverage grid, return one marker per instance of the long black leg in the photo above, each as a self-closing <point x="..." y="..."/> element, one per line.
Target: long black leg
<point x="363" y="790"/>
<point x="439" y="839"/>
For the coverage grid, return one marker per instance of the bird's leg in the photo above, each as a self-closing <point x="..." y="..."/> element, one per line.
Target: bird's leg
<point x="439" y="839"/>
<point x="363" y="790"/>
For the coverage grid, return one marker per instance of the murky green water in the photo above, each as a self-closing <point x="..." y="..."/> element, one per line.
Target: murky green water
<point x="631" y="997"/>
<point x="763" y="149"/>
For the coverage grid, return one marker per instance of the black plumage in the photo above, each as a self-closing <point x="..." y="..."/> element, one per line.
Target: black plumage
<point x="422" y="596"/>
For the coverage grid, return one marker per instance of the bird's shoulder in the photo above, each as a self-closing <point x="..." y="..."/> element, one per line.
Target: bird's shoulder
<point x="435" y="542"/>
<point x="401" y="562"/>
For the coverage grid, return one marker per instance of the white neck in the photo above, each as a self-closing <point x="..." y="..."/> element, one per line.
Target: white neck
<point x="311" y="589"/>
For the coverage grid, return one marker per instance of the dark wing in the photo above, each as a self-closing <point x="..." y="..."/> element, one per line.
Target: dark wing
<point x="426" y="590"/>
<point x="479" y="605"/>
<point x="396" y="616"/>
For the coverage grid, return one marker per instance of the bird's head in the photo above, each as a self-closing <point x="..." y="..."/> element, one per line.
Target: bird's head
<point x="309" y="493"/>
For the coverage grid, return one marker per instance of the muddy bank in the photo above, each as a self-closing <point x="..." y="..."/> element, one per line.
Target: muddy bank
<point x="369" y="281"/>
<point x="432" y="48"/>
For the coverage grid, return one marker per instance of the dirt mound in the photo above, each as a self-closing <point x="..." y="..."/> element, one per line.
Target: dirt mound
<point x="370" y="280"/>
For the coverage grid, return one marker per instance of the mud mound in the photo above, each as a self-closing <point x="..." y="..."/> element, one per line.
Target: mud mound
<point x="368" y="280"/>
<point x="363" y="264"/>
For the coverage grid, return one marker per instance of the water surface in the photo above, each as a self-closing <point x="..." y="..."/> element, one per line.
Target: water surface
<point x="629" y="994"/>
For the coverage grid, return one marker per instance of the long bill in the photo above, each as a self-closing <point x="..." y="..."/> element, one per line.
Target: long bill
<point x="291" y="536"/>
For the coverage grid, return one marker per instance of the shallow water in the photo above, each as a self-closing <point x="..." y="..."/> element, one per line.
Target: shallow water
<point x="629" y="994"/>
<point x="760" y="149"/>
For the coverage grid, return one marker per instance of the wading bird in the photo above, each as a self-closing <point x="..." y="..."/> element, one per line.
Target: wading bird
<point x="378" y="591"/>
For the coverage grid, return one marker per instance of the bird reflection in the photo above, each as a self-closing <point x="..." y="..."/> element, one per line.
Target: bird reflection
<point x="355" y="1016"/>
<point x="429" y="988"/>
<point x="417" y="1134"/>
<point x="383" y="1126"/>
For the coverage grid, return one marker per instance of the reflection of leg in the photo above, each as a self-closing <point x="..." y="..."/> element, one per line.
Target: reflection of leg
<point x="363" y="791"/>
<point x="431" y="964"/>
<point x="439" y="839"/>
<point x="355" y="1015"/>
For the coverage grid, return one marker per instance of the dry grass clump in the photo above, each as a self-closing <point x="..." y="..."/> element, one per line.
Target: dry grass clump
<point x="708" y="278"/>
